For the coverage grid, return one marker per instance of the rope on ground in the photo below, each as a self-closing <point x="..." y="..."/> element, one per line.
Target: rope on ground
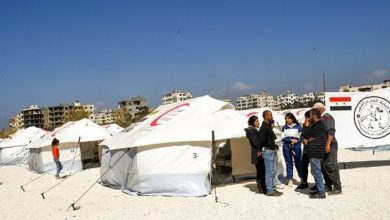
<point x="109" y="168"/>
<point x="47" y="172"/>
<point x="43" y="193"/>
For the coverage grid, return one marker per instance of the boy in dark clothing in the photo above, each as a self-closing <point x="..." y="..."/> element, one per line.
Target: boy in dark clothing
<point x="305" y="157"/>
<point x="315" y="149"/>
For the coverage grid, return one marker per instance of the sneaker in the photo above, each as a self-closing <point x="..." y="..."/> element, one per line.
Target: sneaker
<point x="314" y="188"/>
<point x="328" y="189"/>
<point x="280" y="186"/>
<point x="278" y="192"/>
<point x="335" y="192"/>
<point x="318" y="196"/>
<point x="274" y="193"/>
<point x="289" y="182"/>
<point x="313" y="192"/>
<point x="302" y="186"/>
<point x="57" y="177"/>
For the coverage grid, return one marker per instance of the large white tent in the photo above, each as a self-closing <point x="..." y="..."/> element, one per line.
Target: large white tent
<point x="70" y="134"/>
<point x="362" y="118"/>
<point x="114" y="128"/>
<point x="12" y="150"/>
<point x="169" y="153"/>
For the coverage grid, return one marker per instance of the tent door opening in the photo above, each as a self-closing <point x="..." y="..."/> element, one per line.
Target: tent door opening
<point x="223" y="165"/>
<point x="90" y="155"/>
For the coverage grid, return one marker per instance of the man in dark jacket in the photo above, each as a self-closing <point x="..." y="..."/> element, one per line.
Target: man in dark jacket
<point x="269" y="150"/>
<point x="315" y="149"/>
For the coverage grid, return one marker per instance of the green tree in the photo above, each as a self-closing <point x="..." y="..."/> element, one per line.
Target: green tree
<point x="122" y="117"/>
<point x="76" y="115"/>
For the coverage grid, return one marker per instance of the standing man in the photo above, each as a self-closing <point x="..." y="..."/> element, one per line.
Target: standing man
<point x="315" y="141"/>
<point x="330" y="168"/>
<point x="56" y="156"/>
<point x="269" y="149"/>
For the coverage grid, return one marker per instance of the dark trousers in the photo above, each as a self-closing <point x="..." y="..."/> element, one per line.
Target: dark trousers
<point x="305" y="167"/>
<point x="330" y="170"/>
<point x="260" y="173"/>
<point x="291" y="158"/>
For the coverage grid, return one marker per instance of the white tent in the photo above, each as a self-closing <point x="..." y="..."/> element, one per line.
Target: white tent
<point x="12" y="150"/>
<point x="169" y="153"/>
<point x="114" y="128"/>
<point x="362" y="118"/>
<point x="88" y="133"/>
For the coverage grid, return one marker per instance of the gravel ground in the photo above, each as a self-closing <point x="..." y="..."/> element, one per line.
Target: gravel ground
<point x="365" y="196"/>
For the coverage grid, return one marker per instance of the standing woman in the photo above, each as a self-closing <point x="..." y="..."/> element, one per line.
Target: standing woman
<point x="292" y="147"/>
<point x="252" y="133"/>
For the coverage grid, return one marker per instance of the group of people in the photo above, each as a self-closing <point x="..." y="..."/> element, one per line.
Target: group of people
<point x="317" y="135"/>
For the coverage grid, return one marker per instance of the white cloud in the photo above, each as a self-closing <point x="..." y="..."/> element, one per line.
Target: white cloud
<point x="241" y="87"/>
<point x="377" y="74"/>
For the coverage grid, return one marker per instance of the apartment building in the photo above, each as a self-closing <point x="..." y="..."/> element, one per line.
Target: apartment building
<point x="365" y="88"/>
<point x="174" y="97"/>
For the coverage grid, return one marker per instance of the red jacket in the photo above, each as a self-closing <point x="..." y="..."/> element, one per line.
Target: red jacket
<point x="55" y="152"/>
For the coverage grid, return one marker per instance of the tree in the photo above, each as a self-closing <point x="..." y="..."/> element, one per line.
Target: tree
<point x="5" y="133"/>
<point x="122" y="117"/>
<point x="76" y="115"/>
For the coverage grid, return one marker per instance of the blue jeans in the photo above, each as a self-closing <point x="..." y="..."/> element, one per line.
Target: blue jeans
<point x="59" y="166"/>
<point x="270" y="162"/>
<point x="288" y="158"/>
<point x="315" y="164"/>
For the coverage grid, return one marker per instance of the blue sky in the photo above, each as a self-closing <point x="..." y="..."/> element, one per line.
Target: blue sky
<point x="100" y="52"/>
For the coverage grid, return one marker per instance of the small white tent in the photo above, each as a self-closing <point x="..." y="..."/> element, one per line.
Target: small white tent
<point x="12" y="150"/>
<point x="114" y="128"/>
<point x="169" y="153"/>
<point x="88" y="133"/>
<point x="362" y="118"/>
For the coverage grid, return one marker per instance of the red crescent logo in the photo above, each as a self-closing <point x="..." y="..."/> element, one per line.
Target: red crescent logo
<point x="300" y="111"/>
<point x="252" y="113"/>
<point x="154" y="122"/>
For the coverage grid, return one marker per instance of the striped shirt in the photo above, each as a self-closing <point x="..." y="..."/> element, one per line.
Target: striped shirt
<point x="319" y="135"/>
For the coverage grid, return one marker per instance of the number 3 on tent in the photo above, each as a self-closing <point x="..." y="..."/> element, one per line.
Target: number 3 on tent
<point x="195" y="156"/>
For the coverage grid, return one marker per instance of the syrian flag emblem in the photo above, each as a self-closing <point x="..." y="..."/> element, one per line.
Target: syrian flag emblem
<point x="340" y="103"/>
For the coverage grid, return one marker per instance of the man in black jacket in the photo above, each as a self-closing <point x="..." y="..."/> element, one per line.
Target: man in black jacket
<point x="315" y="142"/>
<point x="269" y="149"/>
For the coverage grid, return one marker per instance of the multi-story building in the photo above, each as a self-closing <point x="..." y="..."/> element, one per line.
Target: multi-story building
<point x="287" y="98"/>
<point x="266" y="100"/>
<point x="261" y="100"/>
<point x="17" y="122"/>
<point x="175" y="97"/>
<point x="365" y="88"/>
<point x="58" y="115"/>
<point x="104" y="117"/>
<point x="135" y="106"/>
<point x="33" y="116"/>
<point x="245" y="102"/>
